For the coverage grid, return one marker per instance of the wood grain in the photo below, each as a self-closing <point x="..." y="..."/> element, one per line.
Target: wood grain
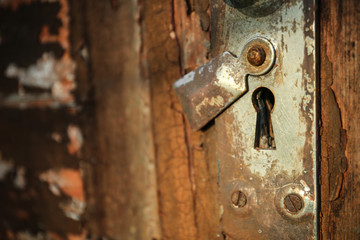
<point x="175" y="41"/>
<point x="119" y="166"/>
<point x="340" y="99"/>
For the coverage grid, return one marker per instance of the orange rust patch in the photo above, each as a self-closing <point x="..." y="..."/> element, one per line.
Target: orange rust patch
<point x="76" y="140"/>
<point x="69" y="181"/>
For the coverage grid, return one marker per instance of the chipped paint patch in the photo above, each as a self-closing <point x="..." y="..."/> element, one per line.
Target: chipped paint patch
<point x="48" y="73"/>
<point x="73" y="208"/>
<point x="185" y="80"/>
<point x="76" y="140"/>
<point x="70" y="183"/>
<point x="214" y="101"/>
<point x="20" y="181"/>
<point x="41" y="75"/>
<point x="309" y="44"/>
<point x="225" y="78"/>
<point x="5" y="167"/>
<point x="67" y="181"/>
<point x="304" y="184"/>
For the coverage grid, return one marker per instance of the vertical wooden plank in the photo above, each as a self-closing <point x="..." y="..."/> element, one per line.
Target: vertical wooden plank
<point x="120" y="165"/>
<point x="175" y="41"/>
<point x="161" y="49"/>
<point x="340" y="106"/>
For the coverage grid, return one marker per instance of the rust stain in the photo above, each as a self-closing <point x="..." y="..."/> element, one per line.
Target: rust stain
<point x="76" y="140"/>
<point x="67" y="181"/>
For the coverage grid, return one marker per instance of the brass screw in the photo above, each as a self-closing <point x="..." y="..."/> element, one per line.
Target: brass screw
<point x="256" y="56"/>
<point x="238" y="199"/>
<point x="293" y="203"/>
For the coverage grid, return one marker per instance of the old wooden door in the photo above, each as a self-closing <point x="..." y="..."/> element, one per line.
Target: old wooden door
<point x="98" y="147"/>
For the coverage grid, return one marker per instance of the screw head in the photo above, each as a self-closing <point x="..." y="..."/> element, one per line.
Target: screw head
<point x="256" y="56"/>
<point x="293" y="203"/>
<point x="238" y="199"/>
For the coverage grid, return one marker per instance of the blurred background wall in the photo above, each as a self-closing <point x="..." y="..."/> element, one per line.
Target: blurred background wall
<point x="86" y="112"/>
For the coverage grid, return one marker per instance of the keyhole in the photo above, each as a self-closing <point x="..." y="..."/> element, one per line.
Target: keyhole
<point x="263" y="101"/>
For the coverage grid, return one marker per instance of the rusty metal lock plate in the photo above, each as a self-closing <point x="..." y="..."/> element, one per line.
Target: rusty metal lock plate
<point x="278" y="181"/>
<point x="266" y="138"/>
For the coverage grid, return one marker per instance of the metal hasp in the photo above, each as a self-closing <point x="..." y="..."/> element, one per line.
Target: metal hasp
<point x="268" y="189"/>
<point x="207" y="91"/>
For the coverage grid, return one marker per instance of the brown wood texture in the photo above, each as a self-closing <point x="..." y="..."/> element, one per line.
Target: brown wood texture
<point x="127" y="55"/>
<point x="175" y="41"/>
<point x="120" y="169"/>
<point x="340" y="113"/>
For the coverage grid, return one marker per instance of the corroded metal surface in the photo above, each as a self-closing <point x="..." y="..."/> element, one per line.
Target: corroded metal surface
<point x="255" y="8"/>
<point x="268" y="178"/>
<point x="207" y="91"/>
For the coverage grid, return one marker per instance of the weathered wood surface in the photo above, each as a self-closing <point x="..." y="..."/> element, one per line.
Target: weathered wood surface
<point x="175" y="41"/>
<point x="340" y="115"/>
<point x="128" y="54"/>
<point x="120" y="169"/>
<point x="109" y="111"/>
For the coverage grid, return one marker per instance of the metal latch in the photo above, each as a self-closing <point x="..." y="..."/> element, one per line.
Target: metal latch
<point x="207" y="91"/>
<point x="262" y="93"/>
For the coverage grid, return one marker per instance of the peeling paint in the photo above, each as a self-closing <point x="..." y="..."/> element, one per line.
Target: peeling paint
<point x="67" y="181"/>
<point x="214" y="101"/>
<point x="70" y="183"/>
<point x="43" y="74"/>
<point x="48" y="73"/>
<point x="73" y="208"/>
<point x="309" y="43"/>
<point x="76" y="140"/>
<point x="185" y="80"/>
